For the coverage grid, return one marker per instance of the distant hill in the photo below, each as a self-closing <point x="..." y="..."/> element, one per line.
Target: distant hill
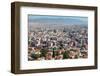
<point x="64" y="20"/>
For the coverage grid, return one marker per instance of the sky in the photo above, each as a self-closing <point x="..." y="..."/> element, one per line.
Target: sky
<point x="58" y="19"/>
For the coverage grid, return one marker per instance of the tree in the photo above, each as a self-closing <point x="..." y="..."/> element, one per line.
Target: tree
<point x="65" y="55"/>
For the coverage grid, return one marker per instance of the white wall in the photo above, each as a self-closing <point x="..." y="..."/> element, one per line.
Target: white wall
<point x="5" y="42"/>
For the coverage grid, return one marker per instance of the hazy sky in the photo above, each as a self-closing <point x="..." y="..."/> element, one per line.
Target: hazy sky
<point x="57" y="19"/>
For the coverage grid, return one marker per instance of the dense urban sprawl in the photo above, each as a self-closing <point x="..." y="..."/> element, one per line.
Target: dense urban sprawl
<point x="57" y="42"/>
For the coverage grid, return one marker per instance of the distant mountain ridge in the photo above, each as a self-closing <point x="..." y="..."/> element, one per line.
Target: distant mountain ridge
<point x="66" y="20"/>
